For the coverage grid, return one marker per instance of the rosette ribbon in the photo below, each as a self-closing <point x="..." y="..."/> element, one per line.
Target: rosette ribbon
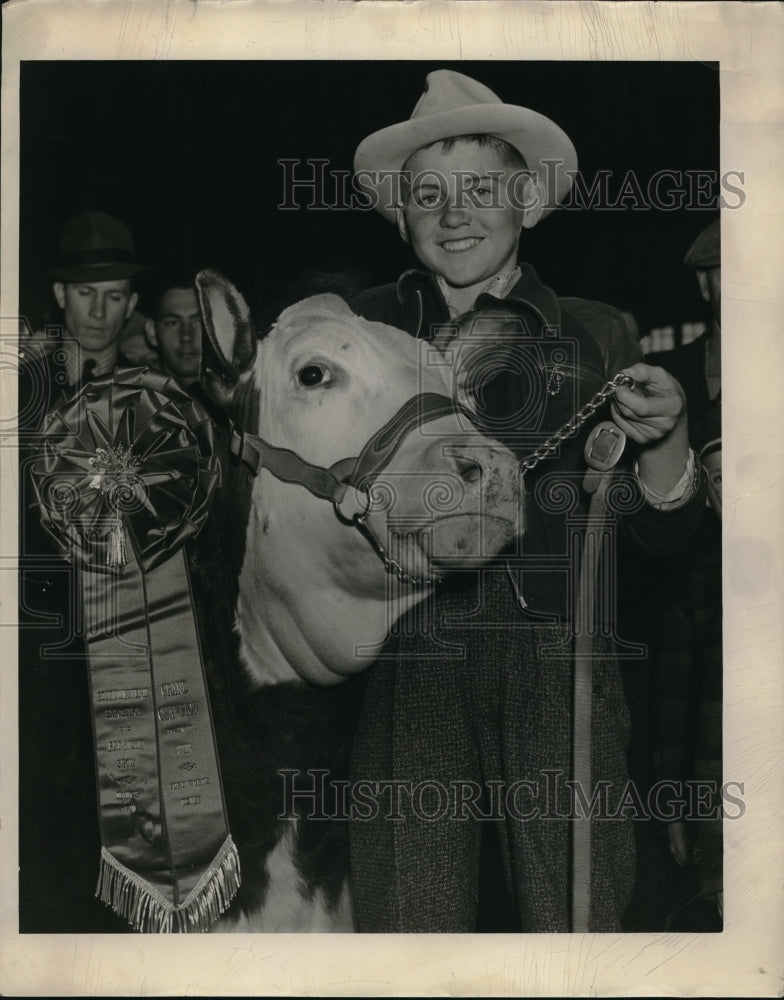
<point x="124" y="478"/>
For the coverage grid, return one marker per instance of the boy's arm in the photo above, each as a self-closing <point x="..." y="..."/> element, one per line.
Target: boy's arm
<point x="664" y="475"/>
<point x="653" y="414"/>
<point x="605" y="324"/>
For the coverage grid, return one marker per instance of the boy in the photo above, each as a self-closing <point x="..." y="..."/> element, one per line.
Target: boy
<point x="488" y="720"/>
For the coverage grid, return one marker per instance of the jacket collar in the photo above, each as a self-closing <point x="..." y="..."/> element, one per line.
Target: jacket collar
<point x="66" y="374"/>
<point x="529" y="290"/>
<point x="103" y="362"/>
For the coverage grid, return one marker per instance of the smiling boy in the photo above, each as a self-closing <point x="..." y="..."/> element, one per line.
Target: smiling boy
<point x="496" y="714"/>
<point x="464" y="212"/>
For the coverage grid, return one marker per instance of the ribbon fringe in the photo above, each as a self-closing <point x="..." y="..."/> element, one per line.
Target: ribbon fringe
<point x="116" y="554"/>
<point x="134" y="899"/>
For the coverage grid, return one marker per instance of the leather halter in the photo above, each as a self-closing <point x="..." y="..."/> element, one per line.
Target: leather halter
<point x="332" y="483"/>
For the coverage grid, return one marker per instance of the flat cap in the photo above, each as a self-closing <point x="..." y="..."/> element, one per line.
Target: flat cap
<point x="705" y="251"/>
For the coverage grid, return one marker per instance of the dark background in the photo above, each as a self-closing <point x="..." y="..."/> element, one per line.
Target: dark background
<point x="186" y="153"/>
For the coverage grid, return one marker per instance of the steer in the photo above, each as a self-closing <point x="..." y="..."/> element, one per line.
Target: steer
<point x="354" y="484"/>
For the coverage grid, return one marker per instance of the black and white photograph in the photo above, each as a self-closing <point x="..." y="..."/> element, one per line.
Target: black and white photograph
<point x="375" y="569"/>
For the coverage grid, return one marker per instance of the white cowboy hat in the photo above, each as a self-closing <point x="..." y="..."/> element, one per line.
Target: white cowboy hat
<point x="453" y="104"/>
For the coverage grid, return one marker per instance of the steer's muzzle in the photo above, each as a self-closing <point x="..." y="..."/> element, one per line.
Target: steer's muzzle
<point x="470" y="499"/>
<point x="484" y="469"/>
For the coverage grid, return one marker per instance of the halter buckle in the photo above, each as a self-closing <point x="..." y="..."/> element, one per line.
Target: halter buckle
<point x="356" y="520"/>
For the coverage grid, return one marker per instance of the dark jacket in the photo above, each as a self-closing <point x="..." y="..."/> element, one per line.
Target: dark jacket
<point x="687" y="704"/>
<point x="588" y="342"/>
<point x="474" y="688"/>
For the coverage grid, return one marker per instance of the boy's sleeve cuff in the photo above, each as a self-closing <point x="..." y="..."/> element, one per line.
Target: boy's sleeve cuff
<point x="681" y="492"/>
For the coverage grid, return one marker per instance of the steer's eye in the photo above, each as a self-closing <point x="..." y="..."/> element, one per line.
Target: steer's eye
<point x="312" y="375"/>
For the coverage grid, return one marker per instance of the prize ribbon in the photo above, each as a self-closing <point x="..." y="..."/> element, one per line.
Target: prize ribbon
<point x="124" y="478"/>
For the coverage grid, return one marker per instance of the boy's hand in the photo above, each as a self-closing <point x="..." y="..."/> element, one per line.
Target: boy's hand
<point x="653" y="413"/>
<point x="649" y="410"/>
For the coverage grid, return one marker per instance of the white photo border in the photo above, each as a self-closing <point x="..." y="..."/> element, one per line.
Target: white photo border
<point x="747" y="959"/>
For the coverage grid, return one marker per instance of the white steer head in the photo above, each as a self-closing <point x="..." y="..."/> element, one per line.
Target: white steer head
<point x="367" y="483"/>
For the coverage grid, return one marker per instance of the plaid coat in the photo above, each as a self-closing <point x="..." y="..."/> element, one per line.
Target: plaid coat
<point x="495" y="708"/>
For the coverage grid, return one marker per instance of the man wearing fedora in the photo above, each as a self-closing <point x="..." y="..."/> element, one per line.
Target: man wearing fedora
<point x="93" y="286"/>
<point x="92" y="283"/>
<point x="486" y="702"/>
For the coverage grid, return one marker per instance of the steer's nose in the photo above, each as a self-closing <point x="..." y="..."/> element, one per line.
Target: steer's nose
<point x="481" y="467"/>
<point x="488" y="469"/>
<point x="469" y="469"/>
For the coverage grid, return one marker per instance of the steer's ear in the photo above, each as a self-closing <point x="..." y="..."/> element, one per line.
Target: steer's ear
<point x="483" y="345"/>
<point x="483" y="328"/>
<point x="230" y="335"/>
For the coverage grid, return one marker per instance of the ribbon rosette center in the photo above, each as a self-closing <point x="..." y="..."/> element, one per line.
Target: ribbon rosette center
<point x="116" y="477"/>
<point x="115" y="467"/>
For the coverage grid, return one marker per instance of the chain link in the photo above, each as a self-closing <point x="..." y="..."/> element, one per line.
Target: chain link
<point x="574" y="423"/>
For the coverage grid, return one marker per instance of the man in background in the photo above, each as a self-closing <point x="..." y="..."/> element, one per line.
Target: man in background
<point x="697" y="365"/>
<point x="688" y="699"/>
<point x="93" y="286"/>
<point x="175" y="330"/>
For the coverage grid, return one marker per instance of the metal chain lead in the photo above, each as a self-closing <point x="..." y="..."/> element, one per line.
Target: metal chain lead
<point x="574" y="423"/>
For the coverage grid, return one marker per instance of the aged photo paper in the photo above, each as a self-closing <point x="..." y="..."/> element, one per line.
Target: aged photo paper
<point x="260" y="91"/>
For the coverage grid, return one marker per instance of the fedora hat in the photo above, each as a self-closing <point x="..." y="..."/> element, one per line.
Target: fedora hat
<point x="96" y="247"/>
<point x="454" y="104"/>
